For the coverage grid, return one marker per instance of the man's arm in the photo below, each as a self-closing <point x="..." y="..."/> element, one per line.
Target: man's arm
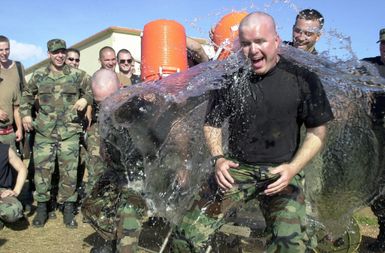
<point x="89" y="115"/>
<point x="197" y="50"/>
<point x="27" y="101"/>
<point x="17" y="118"/>
<point x="213" y="136"/>
<point x="86" y="96"/>
<point x="19" y="166"/>
<point x="313" y="143"/>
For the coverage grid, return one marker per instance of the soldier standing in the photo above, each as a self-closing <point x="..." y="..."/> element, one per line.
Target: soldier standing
<point x="265" y="158"/>
<point x="11" y="80"/>
<point x="378" y="206"/>
<point x="62" y="91"/>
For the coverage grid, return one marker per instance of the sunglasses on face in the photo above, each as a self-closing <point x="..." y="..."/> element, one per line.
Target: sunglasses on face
<point x="73" y="59"/>
<point x="129" y="61"/>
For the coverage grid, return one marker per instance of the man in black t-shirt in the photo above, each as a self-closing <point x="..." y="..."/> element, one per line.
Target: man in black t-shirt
<point x="378" y="207"/>
<point x="379" y="61"/>
<point x="266" y="106"/>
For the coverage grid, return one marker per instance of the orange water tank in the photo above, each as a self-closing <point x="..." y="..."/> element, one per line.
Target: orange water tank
<point x="163" y="49"/>
<point x="225" y="33"/>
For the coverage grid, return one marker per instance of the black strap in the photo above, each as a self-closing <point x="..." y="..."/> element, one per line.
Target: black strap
<point x="21" y="77"/>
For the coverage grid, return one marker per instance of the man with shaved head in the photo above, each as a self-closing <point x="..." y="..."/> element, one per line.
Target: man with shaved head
<point x="104" y="83"/>
<point x="107" y="58"/>
<point x="266" y="103"/>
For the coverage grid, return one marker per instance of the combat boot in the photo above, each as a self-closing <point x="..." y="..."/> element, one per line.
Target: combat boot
<point x="68" y="215"/>
<point x="379" y="244"/>
<point x="41" y="215"/>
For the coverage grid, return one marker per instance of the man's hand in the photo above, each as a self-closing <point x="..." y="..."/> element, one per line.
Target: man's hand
<point x="80" y="104"/>
<point x="287" y="172"/>
<point x="19" y="134"/>
<point x="27" y="123"/>
<point x="3" y="116"/>
<point x="7" y="193"/>
<point x="222" y="175"/>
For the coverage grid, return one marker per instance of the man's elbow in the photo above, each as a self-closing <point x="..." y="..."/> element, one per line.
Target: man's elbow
<point x="320" y="132"/>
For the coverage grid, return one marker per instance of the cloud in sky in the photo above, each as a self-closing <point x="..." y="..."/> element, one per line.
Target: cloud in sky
<point x="28" y="54"/>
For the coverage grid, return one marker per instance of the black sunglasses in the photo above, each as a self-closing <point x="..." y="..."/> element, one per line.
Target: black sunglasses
<point x="73" y="59"/>
<point x="124" y="61"/>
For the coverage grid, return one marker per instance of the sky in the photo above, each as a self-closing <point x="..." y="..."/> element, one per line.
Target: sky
<point x="351" y="26"/>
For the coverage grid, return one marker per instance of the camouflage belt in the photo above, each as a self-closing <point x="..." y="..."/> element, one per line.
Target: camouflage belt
<point x="258" y="175"/>
<point x="262" y="172"/>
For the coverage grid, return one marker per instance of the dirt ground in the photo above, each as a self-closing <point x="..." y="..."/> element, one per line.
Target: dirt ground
<point x="55" y="237"/>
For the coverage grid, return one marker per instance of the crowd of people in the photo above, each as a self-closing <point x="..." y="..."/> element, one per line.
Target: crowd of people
<point x="265" y="160"/>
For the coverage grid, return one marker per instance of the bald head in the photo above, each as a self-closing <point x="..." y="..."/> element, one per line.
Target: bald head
<point x="257" y="19"/>
<point x="104" y="83"/>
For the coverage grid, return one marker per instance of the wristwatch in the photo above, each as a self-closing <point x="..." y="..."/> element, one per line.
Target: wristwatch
<point x="214" y="159"/>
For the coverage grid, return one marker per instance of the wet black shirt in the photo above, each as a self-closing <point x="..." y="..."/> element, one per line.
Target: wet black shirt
<point x="266" y="112"/>
<point x="379" y="64"/>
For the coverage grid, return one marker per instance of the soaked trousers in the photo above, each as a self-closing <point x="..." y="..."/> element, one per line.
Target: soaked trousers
<point x="46" y="150"/>
<point x="131" y="214"/>
<point x="10" y="208"/>
<point x="284" y="212"/>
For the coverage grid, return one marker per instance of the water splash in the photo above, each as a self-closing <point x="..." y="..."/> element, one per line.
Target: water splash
<point x="344" y="175"/>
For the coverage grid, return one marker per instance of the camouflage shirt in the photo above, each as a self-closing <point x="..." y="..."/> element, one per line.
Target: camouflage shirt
<point x="57" y="92"/>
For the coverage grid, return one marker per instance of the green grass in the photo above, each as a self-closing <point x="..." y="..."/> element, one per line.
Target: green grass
<point x="365" y="220"/>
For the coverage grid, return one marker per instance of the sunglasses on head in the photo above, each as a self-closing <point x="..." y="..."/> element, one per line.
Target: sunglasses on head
<point x="73" y="59"/>
<point x="124" y="61"/>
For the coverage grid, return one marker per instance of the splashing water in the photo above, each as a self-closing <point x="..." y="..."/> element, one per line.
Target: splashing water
<point x="163" y="122"/>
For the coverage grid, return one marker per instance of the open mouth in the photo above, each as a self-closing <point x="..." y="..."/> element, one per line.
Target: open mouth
<point x="257" y="63"/>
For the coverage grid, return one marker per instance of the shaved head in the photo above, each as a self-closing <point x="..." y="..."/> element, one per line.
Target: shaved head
<point x="104" y="83"/>
<point x="258" y="19"/>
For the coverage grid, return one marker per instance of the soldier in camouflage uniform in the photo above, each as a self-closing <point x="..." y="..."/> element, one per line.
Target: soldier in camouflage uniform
<point x="62" y="92"/>
<point x="104" y="83"/>
<point x="266" y="106"/>
<point x="114" y="207"/>
<point x="10" y="207"/>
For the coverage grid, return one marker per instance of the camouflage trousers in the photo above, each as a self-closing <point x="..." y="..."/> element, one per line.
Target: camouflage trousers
<point x="378" y="205"/>
<point x="46" y="151"/>
<point x="93" y="162"/>
<point x="9" y="139"/>
<point x="131" y="214"/>
<point x="284" y="213"/>
<point x="10" y="208"/>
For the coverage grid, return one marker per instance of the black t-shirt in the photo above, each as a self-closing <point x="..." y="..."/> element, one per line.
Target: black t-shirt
<point x="5" y="170"/>
<point x="379" y="64"/>
<point x="266" y="112"/>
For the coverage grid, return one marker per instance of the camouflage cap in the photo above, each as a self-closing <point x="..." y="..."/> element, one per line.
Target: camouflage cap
<point x="382" y="35"/>
<point x="56" y="44"/>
